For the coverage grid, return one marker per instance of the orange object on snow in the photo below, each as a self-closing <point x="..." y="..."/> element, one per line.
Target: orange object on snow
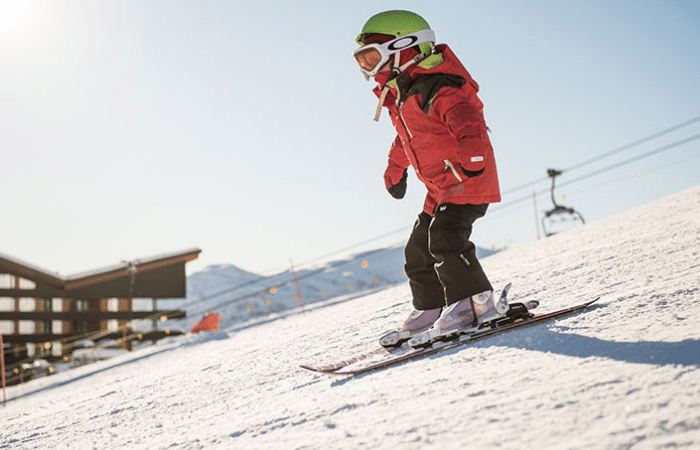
<point x="210" y="322"/>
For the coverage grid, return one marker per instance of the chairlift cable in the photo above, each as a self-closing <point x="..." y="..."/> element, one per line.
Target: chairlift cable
<point x="635" y="143"/>
<point x="610" y="153"/>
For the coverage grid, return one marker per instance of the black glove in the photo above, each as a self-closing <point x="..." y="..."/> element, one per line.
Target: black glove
<point x="399" y="189"/>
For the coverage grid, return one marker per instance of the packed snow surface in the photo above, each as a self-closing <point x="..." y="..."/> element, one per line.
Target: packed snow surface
<point x="623" y="375"/>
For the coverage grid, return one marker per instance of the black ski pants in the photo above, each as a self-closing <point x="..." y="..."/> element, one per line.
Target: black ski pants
<point x="441" y="262"/>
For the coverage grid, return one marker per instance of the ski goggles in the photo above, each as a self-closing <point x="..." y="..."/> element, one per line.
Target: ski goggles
<point x="372" y="57"/>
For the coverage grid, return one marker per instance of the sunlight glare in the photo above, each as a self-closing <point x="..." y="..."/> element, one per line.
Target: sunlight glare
<point x="15" y="15"/>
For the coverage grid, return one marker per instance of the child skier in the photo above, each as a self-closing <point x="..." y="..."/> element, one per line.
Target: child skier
<point x="442" y="134"/>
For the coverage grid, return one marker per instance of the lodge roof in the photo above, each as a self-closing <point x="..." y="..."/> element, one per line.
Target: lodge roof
<point x="150" y="273"/>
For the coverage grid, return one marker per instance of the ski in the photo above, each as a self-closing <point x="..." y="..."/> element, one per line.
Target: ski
<point x="397" y="351"/>
<point x="516" y="310"/>
<point x="403" y="347"/>
<point x="405" y="353"/>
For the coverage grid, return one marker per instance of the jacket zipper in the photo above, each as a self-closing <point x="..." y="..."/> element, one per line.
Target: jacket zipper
<point x="404" y="122"/>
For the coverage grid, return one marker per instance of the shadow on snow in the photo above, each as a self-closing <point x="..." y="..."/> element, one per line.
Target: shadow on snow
<point x="685" y="353"/>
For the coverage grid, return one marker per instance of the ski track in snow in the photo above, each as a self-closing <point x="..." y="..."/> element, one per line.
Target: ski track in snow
<point x="623" y="375"/>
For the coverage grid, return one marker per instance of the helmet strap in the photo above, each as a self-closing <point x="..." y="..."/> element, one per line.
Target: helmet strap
<point x="396" y="70"/>
<point x="413" y="61"/>
<point x="382" y="98"/>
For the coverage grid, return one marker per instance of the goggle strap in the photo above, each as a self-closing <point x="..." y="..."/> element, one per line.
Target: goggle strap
<point x="417" y="38"/>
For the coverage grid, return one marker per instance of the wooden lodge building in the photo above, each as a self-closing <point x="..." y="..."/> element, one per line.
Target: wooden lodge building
<point x="46" y="313"/>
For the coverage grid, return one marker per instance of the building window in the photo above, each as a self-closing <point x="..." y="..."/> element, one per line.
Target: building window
<point x="80" y="305"/>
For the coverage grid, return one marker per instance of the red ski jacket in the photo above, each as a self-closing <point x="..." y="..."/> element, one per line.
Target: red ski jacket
<point x="441" y="132"/>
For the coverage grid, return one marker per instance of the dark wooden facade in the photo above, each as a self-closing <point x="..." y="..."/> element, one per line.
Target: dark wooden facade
<point x="84" y="298"/>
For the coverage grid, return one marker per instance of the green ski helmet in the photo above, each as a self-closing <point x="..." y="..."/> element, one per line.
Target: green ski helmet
<point x="396" y="23"/>
<point x="407" y="29"/>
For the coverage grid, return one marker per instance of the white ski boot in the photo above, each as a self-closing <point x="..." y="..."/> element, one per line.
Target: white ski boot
<point x="417" y="322"/>
<point x="463" y="317"/>
<point x="457" y="317"/>
<point x="488" y="308"/>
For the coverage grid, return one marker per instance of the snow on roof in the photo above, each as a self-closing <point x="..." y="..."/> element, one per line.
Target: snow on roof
<point x="136" y="262"/>
<point x="56" y="277"/>
<point x="53" y="276"/>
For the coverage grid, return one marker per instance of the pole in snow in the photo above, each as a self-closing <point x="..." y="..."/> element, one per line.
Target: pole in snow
<point x="2" y="367"/>
<point x="296" y="280"/>
<point x="537" y="219"/>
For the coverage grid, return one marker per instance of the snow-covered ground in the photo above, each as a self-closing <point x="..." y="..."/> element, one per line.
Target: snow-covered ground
<point x="624" y="375"/>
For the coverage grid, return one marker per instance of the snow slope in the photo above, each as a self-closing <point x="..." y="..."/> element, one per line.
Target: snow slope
<point x="625" y="375"/>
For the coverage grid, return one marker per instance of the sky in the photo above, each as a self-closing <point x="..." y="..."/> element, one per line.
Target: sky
<point x="130" y="129"/>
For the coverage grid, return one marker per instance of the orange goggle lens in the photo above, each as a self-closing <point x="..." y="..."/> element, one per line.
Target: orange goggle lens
<point x="368" y="59"/>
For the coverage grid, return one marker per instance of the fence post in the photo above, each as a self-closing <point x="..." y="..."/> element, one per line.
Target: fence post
<point x="2" y="367"/>
<point x="296" y="280"/>
<point x="537" y="219"/>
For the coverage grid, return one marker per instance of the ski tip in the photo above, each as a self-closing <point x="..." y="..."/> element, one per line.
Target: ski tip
<point x="589" y="303"/>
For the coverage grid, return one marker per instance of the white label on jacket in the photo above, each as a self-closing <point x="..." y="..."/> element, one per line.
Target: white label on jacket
<point x="477" y="158"/>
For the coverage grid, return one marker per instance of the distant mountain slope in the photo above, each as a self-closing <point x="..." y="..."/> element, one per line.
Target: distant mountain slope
<point x="241" y="295"/>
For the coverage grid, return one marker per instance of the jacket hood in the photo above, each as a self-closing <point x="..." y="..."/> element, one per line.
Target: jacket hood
<point x="450" y="64"/>
<point x="442" y="60"/>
